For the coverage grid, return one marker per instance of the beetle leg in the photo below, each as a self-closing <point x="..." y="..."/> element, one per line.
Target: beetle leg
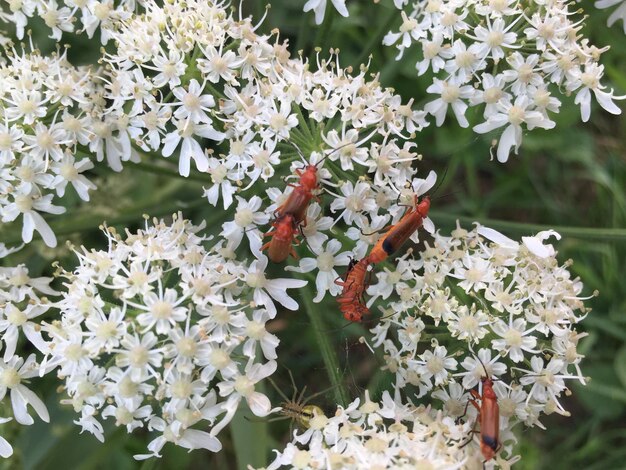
<point x="473" y="402"/>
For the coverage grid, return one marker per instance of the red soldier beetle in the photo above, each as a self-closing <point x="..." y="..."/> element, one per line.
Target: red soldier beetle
<point x="284" y="230"/>
<point x="351" y="299"/>
<point x="298" y="200"/>
<point x="488" y="416"/>
<point x="291" y="215"/>
<point x="399" y="233"/>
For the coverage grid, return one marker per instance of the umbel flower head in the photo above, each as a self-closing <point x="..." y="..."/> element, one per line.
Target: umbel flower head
<point x="385" y="434"/>
<point x="22" y="300"/>
<point x="478" y="304"/>
<point x="232" y="103"/>
<point x="159" y="333"/>
<point x="225" y="87"/>
<point x="505" y="57"/>
<point x="47" y="114"/>
<point x="69" y="17"/>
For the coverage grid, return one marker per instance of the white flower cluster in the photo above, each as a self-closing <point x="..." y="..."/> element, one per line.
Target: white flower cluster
<point x="60" y="18"/>
<point x="618" y="14"/>
<point x="176" y="86"/>
<point x="22" y="300"/>
<point x="505" y="57"/>
<point x="479" y="291"/>
<point x="46" y="121"/>
<point x="221" y="81"/>
<point x="160" y="334"/>
<point x="388" y="434"/>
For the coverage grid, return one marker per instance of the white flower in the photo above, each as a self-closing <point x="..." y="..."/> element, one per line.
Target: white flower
<point x="13" y="319"/>
<point x="243" y="386"/>
<point x="186" y="438"/>
<point x="247" y="218"/>
<point x="513" y="115"/>
<point x="589" y="80"/>
<point x="386" y="434"/>
<point x="162" y="310"/>
<point x="267" y="289"/>
<point x="451" y="95"/>
<point x="436" y="365"/>
<point x="515" y="339"/>
<point x="191" y="149"/>
<point x="522" y="304"/>
<point x="319" y="7"/>
<point x="528" y="49"/>
<point x="325" y="264"/>
<point x="6" y="450"/>
<point x="547" y="381"/>
<point x="69" y="171"/>
<point x="356" y="199"/>
<point x="535" y="244"/>
<point x="193" y="104"/>
<point x="480" y="366"/>
<point x="28" y="206"/>
<point x="152" y="355"/>
<point x="12" y="373"/>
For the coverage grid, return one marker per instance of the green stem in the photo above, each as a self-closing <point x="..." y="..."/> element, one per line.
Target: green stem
<point x="161" y="170"/>
<point x="328" y="353"/>
<point x="528" y="229"/>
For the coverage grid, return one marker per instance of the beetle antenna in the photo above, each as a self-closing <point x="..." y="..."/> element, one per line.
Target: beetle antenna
<point x="443" y="178"/>
<point x="445" y="195"/>
<point x="482" y="364"/>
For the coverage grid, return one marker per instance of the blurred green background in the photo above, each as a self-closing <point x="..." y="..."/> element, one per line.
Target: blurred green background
<point x="572" y="179"/>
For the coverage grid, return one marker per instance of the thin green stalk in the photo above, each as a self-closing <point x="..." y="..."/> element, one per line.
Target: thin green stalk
<point x="326" y="348"/>
<point x="161" y="170"/>
<point x="584" y="233"/>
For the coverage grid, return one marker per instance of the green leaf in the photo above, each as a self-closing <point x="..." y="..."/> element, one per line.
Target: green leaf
<point x="620" y="365"/>
<point x="250" y="438"/>
<point x="602" y="386"/>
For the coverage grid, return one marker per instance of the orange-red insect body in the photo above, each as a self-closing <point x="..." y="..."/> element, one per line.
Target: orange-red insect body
<point x="399" y="233"/>
<point x="285" y="228"/>
<point x="489" y="418"/>
<point x="354" y="285"/>
<point x="298" y="200"/>
<point x="290" y="215"/>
